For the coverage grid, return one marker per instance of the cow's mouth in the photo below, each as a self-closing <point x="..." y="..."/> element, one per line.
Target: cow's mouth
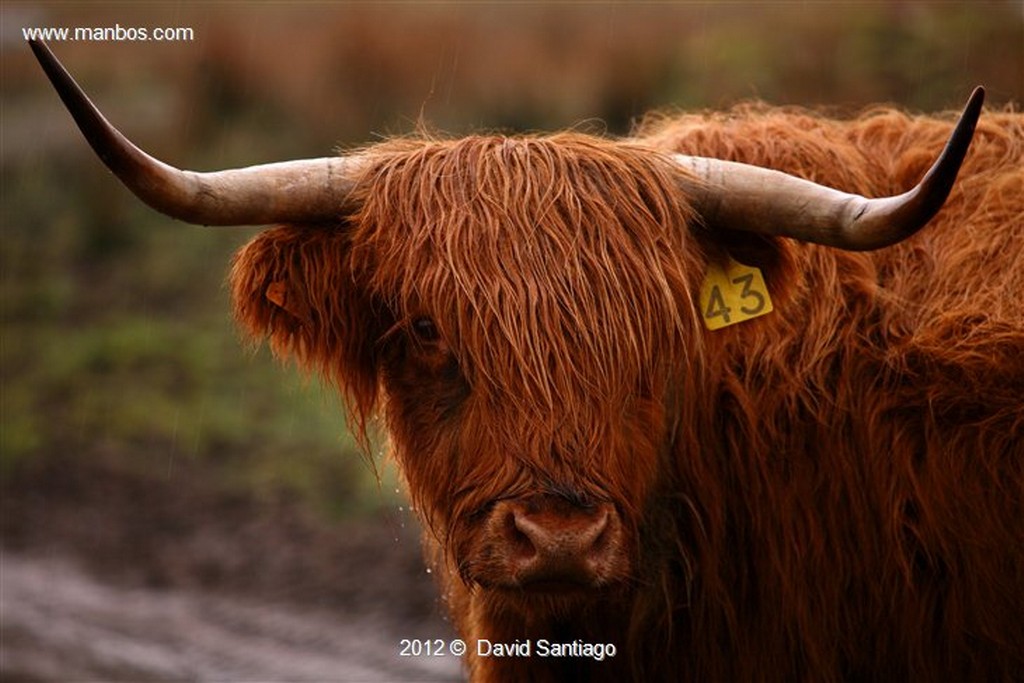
<point x="507" y="582"/>
<point x="555" y="597"/>
<point x="557" y="587"/>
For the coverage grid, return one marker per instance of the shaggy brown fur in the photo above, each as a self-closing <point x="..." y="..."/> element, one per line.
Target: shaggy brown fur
<point x="830" y="492"/>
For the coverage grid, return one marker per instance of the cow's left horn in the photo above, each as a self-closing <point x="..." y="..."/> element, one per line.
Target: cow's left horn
<point x="753" y="199"/>
<point x="306" y="190"/>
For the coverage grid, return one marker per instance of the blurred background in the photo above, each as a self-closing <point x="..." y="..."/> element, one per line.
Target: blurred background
<point x="140" y="439"/>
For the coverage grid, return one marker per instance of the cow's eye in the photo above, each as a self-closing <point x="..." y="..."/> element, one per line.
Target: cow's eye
<point x="425" y="330"/>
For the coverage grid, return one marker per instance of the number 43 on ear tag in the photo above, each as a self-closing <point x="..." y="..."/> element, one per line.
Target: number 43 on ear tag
<point x="732" y="294"/>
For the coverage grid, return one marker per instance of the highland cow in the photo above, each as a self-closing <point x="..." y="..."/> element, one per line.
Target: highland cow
<point x="667" y="399"/>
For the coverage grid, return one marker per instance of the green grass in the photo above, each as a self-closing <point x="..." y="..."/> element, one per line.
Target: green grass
<point x="117" y="343"/>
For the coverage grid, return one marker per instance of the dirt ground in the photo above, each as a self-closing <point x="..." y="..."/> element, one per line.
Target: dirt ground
<point x="108" y="576"/>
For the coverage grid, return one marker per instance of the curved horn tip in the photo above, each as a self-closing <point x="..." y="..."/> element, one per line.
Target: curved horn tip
<point x="972" y="110"/>
<point x="977" y="98"/>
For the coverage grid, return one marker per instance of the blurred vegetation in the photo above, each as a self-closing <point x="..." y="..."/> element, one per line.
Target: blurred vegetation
<point x="117" y="344"/>
<point x="116" y="338"/>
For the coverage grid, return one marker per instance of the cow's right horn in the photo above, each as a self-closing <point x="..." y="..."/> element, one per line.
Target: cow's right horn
<point x="303" y="191"/>
<point x="753" y="199"/>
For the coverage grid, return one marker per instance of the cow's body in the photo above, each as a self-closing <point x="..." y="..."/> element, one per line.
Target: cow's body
<point x="832" y="491"/>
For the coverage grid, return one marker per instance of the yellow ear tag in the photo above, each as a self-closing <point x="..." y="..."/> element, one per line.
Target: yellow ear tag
<point x="732" y="294"/>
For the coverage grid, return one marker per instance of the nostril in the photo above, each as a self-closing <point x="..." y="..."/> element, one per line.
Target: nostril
<point x="534" y="530"/>
<point x="518" y="539"/>
<point x="596" y="532"/>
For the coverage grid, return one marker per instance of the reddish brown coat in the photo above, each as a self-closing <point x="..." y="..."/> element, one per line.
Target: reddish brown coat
<point x="833" y="491"/>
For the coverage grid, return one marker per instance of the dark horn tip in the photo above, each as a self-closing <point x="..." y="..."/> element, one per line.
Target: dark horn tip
<point x="971" y="113"/>
<point x="977" y="97"/>
<point x="42" y="51"/>
<point x="972" y="110"/>
<point x="941" y="176"/>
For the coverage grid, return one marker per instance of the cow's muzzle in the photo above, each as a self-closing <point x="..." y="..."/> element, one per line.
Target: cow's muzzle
<point x="547" y="544"/>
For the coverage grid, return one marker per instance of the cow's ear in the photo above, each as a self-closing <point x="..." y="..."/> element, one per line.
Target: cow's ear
<point x="277" y="293"/>
<point x="283" y="296"/>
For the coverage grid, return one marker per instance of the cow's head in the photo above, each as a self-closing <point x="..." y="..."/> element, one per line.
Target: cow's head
<point x="520" y="311"/>
<point x="517" y="321"/>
